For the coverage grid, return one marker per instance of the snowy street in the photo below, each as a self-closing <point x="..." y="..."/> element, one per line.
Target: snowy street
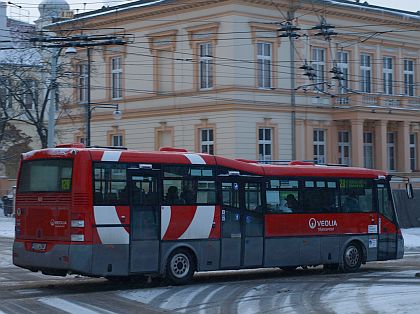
<point x="383" y="287"/>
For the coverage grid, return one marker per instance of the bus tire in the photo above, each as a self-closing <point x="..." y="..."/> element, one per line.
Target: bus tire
<point x="180" y="267"/>
<point x="352" y="258"/>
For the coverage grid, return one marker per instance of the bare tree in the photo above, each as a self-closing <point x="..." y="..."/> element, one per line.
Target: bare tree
<point x="25" y="84"/>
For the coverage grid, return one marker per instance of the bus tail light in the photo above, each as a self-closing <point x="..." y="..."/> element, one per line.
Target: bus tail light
<point x="77" y="237"/>
<point x="77" y="223"/>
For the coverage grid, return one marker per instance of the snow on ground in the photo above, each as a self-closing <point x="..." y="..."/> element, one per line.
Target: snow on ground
<point x="411" y="238"/>
<point x="7" y="227"/>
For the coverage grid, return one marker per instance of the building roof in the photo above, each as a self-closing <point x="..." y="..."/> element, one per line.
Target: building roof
<point x="365" y="6"/>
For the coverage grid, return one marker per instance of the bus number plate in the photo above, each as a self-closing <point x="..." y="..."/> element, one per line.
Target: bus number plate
<point x="39" y="246"/>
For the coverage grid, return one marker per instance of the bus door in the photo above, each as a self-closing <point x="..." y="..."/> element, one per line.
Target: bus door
<point x="388" y="237"/>
<point x="242" y="222"/>
<point x="144" y="222"/>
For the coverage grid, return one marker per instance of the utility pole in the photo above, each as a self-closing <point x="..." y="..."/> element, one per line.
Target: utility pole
<point x="289" y="30"/>
<point x="53" y="98"/>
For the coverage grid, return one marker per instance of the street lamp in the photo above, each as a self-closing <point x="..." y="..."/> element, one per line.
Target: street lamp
<point x="117" y="115"/>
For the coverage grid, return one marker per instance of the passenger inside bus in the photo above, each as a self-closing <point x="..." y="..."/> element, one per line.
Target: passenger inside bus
<point x="351" y="202"/>
<point x="172" y="197"/>
<point x="292" y="202"/>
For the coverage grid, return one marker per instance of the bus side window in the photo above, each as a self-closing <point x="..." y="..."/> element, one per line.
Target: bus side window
<point x="320" y="196"/>
<point x="282" y="196"/>
<point x="184" y="185"/>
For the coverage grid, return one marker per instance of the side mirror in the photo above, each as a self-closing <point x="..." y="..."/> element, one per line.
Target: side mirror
<point x="409" y="190"/>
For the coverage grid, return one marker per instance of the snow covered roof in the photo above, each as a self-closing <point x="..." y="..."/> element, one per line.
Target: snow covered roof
<point x="131" y="5"/>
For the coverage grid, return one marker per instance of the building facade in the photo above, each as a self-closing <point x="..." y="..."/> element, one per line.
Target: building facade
<point x="218" y="77"/>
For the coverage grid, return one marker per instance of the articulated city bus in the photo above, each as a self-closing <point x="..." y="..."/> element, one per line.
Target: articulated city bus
<point x="114" y="212"/>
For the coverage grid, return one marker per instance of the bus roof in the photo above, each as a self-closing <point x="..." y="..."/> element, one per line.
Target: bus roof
<point x="187" y="158"/>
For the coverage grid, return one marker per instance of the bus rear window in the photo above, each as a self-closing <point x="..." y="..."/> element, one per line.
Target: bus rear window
<point x="46" y="176"/>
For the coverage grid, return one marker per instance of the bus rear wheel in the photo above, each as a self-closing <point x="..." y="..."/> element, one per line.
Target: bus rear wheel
<point x="352" y="258"/>
<point x="180" y="267"/>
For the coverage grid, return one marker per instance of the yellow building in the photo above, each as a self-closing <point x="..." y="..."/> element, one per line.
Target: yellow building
<point x="216" y="76"/>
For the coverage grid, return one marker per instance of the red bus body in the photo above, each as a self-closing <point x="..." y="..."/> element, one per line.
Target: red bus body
<point x="233" y="222"/>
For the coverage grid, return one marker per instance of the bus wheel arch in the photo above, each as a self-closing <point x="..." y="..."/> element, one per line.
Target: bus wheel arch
<point x="353" y="255"/>
<point x="180" y="265"/>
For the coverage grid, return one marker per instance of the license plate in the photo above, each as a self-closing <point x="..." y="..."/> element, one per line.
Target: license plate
<point x="39" y="246"/>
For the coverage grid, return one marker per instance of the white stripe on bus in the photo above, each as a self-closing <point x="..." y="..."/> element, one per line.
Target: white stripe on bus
<point x="107" y="215"/>
<point x="201" y="224"/>
<point x="165" y="219"/>
<point x="111" y="155"/>
<point x="195" y="159"/>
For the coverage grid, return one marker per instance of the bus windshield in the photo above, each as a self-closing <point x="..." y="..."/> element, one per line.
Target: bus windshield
<point x="46" y="176"/>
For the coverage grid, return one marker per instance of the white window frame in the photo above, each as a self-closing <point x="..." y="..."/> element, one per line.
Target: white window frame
<point x="265" y="143"/>
<point x="30" y="92"/>
<point x="368" y="152"/>
<point x="318" y="64"/>
<point x="320" y="141"/>
<point x="117" y="140"/>
<point x="344" y="151"/>
<point x="83" y="83"/>
<point x="116" y="77"/>
<point x="413" y="151"/>
<point x="207" y="141"/>
<point x="391" y="153"/>
<point x="343" y="66"/>
<point x="366" y="73"/>
<point x="388" y="75"/>
<point x="409" y="82"/>
<point x="205" y="67"/>
<point x="264" y="65"/>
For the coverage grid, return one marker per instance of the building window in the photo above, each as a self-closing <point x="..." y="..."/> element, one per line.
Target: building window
<point x="83" y="83"/>
<point x="206" y="141"/>
<point x="5" y="94"/>
<point x="318" y="63"/>
<point x="413" y="150"/>
<point x="116" y="75"/>
<point x="30" y="94"/>
<point x="409" y="77"/>
<point x="366" y="73"/>
<point x="391" y="150"/>
<point x="117" y="140"/>
<point x="344" y="148"/>
<point x="368" y="150"/>
<point x="388" y="75"/>
<point x="265" y="144"/>
<point x="343" y="66"/>
<point x="206" y="65"/>
<point x="319" y="146"/>
<point x="264" y="63"/>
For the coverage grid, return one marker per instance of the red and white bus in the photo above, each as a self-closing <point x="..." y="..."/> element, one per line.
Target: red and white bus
<point x="113" y="212"/>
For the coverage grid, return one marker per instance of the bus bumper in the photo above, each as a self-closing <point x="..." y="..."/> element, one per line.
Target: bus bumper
<point x="60" y="259"/>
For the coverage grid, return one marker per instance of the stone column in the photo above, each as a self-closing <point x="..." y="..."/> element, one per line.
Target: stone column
<point x="403" y="147"/>
<point x="381" y="153"/>
<point x="357" y="143"/>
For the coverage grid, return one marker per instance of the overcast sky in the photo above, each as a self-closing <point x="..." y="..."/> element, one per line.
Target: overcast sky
<point x="29" y="8"/>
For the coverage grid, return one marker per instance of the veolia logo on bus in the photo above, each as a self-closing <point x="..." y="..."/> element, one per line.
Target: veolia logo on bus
<point x="323" y="225"/>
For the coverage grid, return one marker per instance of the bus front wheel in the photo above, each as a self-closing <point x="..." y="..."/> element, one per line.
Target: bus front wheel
<point x="180" y="267"/>
<point x="352" y="258"/>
